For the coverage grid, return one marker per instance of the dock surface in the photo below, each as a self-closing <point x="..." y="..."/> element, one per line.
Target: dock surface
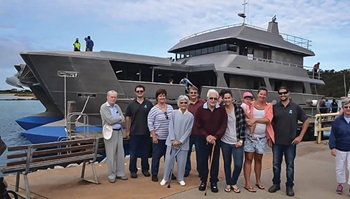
<point x="314" y="178"/>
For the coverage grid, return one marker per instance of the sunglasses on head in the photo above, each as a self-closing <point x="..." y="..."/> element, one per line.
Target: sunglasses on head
<point x="139" y="91"/>
<point x="285" y="92"/>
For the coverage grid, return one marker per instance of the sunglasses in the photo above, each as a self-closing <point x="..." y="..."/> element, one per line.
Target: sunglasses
<point x="166" y="115"/>
<point x="183" y="103"/>
<point x="193" y="92"/>
<point x="281" y="93"/>
<point x="213" y="98"/>
<point x="139" y="91"/>
<point x="346" y="107"/>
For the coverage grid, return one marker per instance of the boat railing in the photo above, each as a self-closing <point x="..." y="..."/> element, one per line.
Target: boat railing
<point x="276" y="62"/>
<point x="323" y="123"/>
<point x="305" y="43"/>
<point x="211" y="30"/>
<point x="313" y="75"/>
<point x="72" y="119"/>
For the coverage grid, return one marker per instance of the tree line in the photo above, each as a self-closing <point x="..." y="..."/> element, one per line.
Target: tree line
<point x="334" y="83"/>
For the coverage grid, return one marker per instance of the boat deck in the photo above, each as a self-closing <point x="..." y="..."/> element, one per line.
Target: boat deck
<point x="314" y="178"/>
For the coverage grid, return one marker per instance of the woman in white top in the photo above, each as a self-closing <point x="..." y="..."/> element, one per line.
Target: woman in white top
<point x="255" y="142"/>
<point x="232" y="141"/>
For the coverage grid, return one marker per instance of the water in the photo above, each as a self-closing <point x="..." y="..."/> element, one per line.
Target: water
<point x="11" y="110"/>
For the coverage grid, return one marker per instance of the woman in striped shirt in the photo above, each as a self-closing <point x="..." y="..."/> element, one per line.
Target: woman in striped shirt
<point x="158" y="124"/>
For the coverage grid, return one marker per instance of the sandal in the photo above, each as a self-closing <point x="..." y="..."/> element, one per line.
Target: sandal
<point x="260" y="186"/>
<point x="250" y="189"/>
<point x="235" y="189"/>
<point x="228" y="188"/>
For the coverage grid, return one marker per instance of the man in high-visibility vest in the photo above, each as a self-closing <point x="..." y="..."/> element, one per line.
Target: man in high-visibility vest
<point x="76" y="45"/>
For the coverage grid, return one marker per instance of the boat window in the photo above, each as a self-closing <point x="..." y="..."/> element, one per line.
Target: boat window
<point x="243" y="50"/>
<point x="232" y="47"/>
<point x="192" y="53"/>
<point x="242" y="81"/>
<point x="223" y="47"/>
<point x="216" y="48"/>
<point x="210" y="49"/>
<point x="132" y="71"/>
<point x="293" y="86"/>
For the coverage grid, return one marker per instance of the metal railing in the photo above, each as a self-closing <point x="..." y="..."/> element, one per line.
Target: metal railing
<point x="72" y="119"/>
<point x="319" y="127"/>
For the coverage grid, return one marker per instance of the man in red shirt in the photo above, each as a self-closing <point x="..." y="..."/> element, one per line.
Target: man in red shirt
<point x="195" y="103"/>
<point x="211" y="123"/>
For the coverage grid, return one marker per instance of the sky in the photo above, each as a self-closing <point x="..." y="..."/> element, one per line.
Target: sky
<point x="152" y="27"/>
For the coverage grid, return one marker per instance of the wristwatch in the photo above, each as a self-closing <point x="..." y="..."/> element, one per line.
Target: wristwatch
<point x="240" y="141"/>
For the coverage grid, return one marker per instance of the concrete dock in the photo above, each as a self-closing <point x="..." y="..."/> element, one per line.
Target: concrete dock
<point x="314" y="178"/>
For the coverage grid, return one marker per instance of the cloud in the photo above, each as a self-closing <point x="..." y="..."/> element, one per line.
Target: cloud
<point x="151" y="27"/>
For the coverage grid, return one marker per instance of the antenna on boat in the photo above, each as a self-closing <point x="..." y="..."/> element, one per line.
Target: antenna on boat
<point x="243" y="14"/>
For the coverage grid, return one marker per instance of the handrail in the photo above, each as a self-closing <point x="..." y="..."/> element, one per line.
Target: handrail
<point x="318" y="128"/>
<point x="305" y="43"/>
<point x="70" y="123"/>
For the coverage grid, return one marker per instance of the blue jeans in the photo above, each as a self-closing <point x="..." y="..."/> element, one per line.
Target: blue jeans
<point x="193" y="141"/>
<point x="230" y="151"/>
<point x="203" y="157"/>
<point x="157" y="152"/>
<point x="289" y="152"/>
<point x="140" y="146"/>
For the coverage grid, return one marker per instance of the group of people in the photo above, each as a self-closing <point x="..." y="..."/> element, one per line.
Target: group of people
<point x="88" y="46"/>
<point x="328" y="107"/>
<point x="242" y="132"/>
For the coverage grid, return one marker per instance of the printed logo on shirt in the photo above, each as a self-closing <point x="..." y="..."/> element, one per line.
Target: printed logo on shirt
<point x="145" y="106"/>
<point x="290" y="111"/>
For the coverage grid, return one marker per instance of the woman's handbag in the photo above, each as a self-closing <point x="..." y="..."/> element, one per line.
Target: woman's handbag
<point x="2" y="146"/>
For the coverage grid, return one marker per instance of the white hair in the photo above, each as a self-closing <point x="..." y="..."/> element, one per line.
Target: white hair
<point x="111" y="92"/>
<point x="212" y="91"/>
<point x="181" y="98"/>
<point x="345" y="102"/>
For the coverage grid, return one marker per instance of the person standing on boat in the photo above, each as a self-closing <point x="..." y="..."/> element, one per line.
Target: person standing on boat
<point x="180" y="128"/>
<point x="158" y="121"/>
<point x="112" y="115"/>
<point x="187" y="83"/>
<point x="255" y="145"/>
<point x="232" y="141"/>
<point x="137" y="131"/>
<point x="211" y="123"/>
<point x="285" y="123"/>
<point x="316" y="68"/>
<point x="89" y="43"/>
<point x="194" y="103"/>
<point x="334" y="106"/>
<point x="76" y="45"/>
<point x="339" y="143"/>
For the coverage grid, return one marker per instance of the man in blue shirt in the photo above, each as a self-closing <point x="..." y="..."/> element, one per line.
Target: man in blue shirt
<point x="112" y="115"/>
<point x="89" y="43"/>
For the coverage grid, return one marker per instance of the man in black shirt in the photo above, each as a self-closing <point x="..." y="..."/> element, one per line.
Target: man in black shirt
<point x="285" y="121"/>
<point x="138" y="132"/>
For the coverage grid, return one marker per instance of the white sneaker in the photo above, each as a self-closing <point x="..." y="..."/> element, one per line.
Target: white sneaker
<point x="182" y="183"/>
<point x="163" y="182"/>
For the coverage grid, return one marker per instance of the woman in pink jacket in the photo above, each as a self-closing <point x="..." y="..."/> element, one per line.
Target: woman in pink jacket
<point x="261" y="115"/>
